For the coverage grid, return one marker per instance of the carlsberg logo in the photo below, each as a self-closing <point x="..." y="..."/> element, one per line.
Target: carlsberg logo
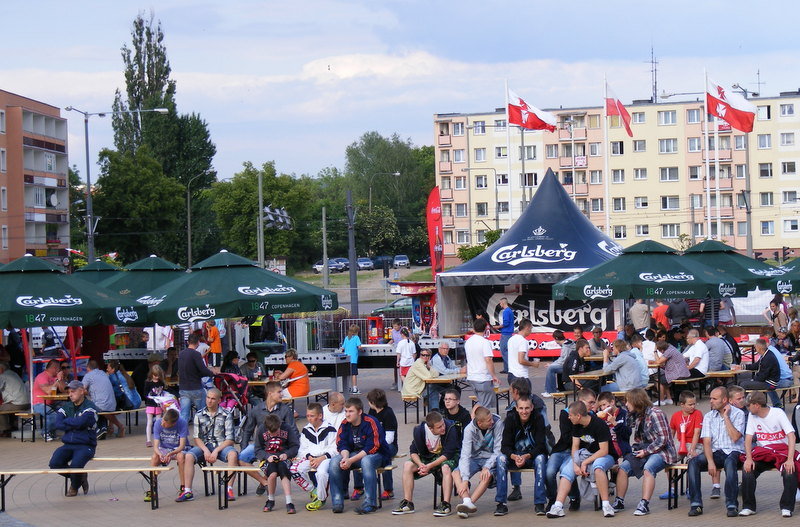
<point x="658" y="277"/>
<point x="727" y="289"/>
<point x="40" y="302"/>
<point x="510" y="255"/>
<point x="193" y="314"/>
<point x="784" y="286"/>
<point x="327" y="302"/>
<point x="150" y="300"/>
<point x="127" y="314"/>
<point x="591" y="291"/>
<point x="264" y="291"/>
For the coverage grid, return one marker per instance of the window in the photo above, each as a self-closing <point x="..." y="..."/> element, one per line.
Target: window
<point x="618" y="204"/>
<point x="461" y="210"/>
<point x="667" y="117"/>
<point x="529" y="152"/>
<point x="461" y="182"/>
<point x="764" y="113"/>
<point x="693" y="116"/>
<point x="642" y="230"/>
<point x="740" y="142"/>
<point x="617" y="148"/>
<point x="696" y="201"/>
<point x="502" y="207"/>
<point x="741" y="171"/>
<point x="479" y="127"/>
<point x="639" y="174"/>
<point x="500" y="125"/>
<point x="447" y="209"/>
<point x="620" y="232"/>
<point x="594" y="149"/>
<point x="788" y="167"/>
<point x="481" y="182"/>
<point x="502" y="179"/>
<point x="638" y="117"/>
<point x="2" y="159"/>
<point x="2" y="122"/>
<point x="480" y="154"/>
<point x="640" y="202"/>
<point x="667" y="146"/>
<point x="3" y="198"/>
<point x="695" y="173"/>
<point x="741" y="202"/>
<point x="639" y="145"/>
<point x="787" y="110"/>
<point x="49" y="162"/>
<point x="582" y="205"/>
<point x="446" y="183"/>
<point x="5" y="234"/>
<point x="38" y="197"/>
<point x="594" y="121"/>
<point x="767" y="228"/>
<point x="790" y="226"/>
<point x="551" y="151"/>
<point x="458" y="156"/>
<point x="462" y="237"/>
<point x="698" y="230"/>
<point x="765" y="170"/>
<point x="669" y="173"/>
<point x="597" y="204"/>
<point x="595" y="177"/>
<point x="528" y="179"/>
<point x="566" y="176"/>
<point x="694" y="144"/>
<point x="444" y="156"/>
<point x="766" y="199"/>
<point x="480" y="236"/>
<point x="669" y="202"/>
<point x="482" y="209"/>
<point x="787" y="139"/>
<point x="458" y="128"/>
<point x="448" y="237"/>
<point x="670" y="230"/>
<point x="741" y="228"/>
<point x="789" y="196"/>
<point x="500" y="152"/>
<point x="618" y="175"/>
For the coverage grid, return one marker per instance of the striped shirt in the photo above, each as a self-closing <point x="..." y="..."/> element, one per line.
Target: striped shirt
<point x="213" y="429"/>
<point x="715" y="429"/>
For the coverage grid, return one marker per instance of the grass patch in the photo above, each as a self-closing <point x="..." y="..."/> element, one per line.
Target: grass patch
<point x="422" y="275"/>
<point x="336" y="279"/>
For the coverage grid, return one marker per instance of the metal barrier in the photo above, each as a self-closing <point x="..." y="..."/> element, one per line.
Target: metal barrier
<point x="362" y="324"/>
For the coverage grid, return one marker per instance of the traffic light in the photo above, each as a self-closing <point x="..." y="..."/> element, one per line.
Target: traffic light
<point x="786" y="252"/>
<point x="758" y="256"/>
<point x="775" y="254"/>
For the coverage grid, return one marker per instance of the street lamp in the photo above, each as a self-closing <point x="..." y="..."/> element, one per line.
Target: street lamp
<point x="396" y="174"/>
<point x="189" y="221"/>
<point x="90" y="226"/>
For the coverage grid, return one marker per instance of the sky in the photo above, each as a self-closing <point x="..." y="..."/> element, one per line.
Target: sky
<point x="297" y="82"/>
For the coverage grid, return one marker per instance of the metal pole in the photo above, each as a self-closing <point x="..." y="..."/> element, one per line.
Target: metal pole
<point x="351" y="242"/>
<point x="188" y="228"/>
<point x="326" y="280"/>
<point x="523" y="180"/>
<point x="748" y="208"/>
<point x="716" y="178"/>
<point x="260" y="226"/>
<point x="89" y="209"/>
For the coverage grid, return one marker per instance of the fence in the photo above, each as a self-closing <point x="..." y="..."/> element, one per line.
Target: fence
<point x="324" y="332"/>
<point x="363" y="326"/>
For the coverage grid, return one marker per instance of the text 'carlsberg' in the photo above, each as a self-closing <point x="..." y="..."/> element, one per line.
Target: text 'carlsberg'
<point x="511" y="256"/>
<point x="40" y="302"/>
<point x="192" y="314"/>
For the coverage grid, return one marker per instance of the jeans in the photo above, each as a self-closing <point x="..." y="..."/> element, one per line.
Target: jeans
<point x="187" y="398"/>
<point x="568" y="470"/>
<point x="49" y="416"/>
<point x="500" y="475"/>
<point x="539" y="464"/>
<point x="730" y="462"/>
<point x="248" y="454"/>
<point x="554" y="463"/>
<point x="369" y="471"/>
<point x="79" y="455"/>
<point x="771" y="393"/>
<point x="504" y="350"/>
<point x="484" y="391"/>
<point x="655" y="463"/>
<point x="749" y="487"/>
<point x="435" y="391"/>
<point x="610" y="387"/>
<point x="388" y="481"/>
<point x="551" y="379"/>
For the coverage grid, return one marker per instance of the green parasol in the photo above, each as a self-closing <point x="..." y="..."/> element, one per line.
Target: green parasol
<point x="141" y="277"/>
<point x="96" y="271"/>
<point x="724" y="258"/>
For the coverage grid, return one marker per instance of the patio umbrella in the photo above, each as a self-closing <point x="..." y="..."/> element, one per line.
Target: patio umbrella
<point x="649" y="269"/>
<point x="141" y="277"/>
<point x="228" y="285"/>
<point x="95" y="271"/>
<point x="725" y="258"/>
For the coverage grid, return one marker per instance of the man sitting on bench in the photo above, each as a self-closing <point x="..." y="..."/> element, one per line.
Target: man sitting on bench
<point x="78" y="420"/>
<point x="170" y="440"/>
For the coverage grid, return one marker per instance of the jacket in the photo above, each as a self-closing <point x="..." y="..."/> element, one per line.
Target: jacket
<point x="528" y="438"/>
<point x="567" y="347"/>
<point x="256" y="417"/>
<point x="451" y="441"/>
<point x="283" y="441"/>
<point x="319" y="442"/>
<point x="769" y="371"/>
<point x="414" y="384"/>
<point x="79" y="423"/>
<point x="370" y="434"/>
<point x="484" y="446"/>
<point x="651" y="433"/>
<point x="627" y="371"/>
<point x="444" y="365"/>
<point x="564" y="442"/>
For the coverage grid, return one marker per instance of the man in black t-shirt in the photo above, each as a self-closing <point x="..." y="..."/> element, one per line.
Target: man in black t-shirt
<point x="575" y="364"/>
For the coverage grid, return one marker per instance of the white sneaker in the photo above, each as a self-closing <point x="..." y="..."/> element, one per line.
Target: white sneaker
<point x="667" y="402"/>
<point x="797" y="495"/>
<point x="786" y="513"/>
<point x="608" y="510"/>
<point x="556" y="511"/>
<point x="546" y="395"/>
<point x="746" y="512"/>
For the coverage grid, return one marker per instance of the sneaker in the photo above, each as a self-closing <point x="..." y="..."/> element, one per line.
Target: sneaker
<point x="539" y="509"/>
<point x="716" y="493"/>
<point x="315" y="505"/>
<point x="643" y="509"/>
<point x="231" y="495"/>
<point x="313" y="494"/>
<point x="269" y="506"/>
<point x="355" y="391"/>
<point x="608" y="511"/>
<point x="733" y="512"/>
<point x="695" y="510"/>
<point x="337" y="509"/>
<point x="501" y="509"/>
<point x="786" y="513"/>
<point x="556" y="511"/>
<point x="664" y="496"/>
<point x="405" y="507"/>
<point x="746" y="512"/>
<point x="184" y="496"/>
<point x="148" y="496"/>
<point x="574" y="504"/>
<point x="101" y="434"/>
<point x="290" y="508"/>
<point x="365" y="509"/>
<point x="48" y="438"/>
<point x="356" y="495"/>
<point x="443" y="510"/>
<point x="546" y="395"/>
<point x="619" y="504"/>
<point x="667" y="402"/>
<point x="148" y="444"/>
<point x="463" y="510"/>
<point x="260" y="490"/>
<point x="387" y="495"/>
<point x="516" y="494"/>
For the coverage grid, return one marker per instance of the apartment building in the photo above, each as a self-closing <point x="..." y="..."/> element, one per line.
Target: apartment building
<point x="654" y="185"/>
<point x="34" y="195"/>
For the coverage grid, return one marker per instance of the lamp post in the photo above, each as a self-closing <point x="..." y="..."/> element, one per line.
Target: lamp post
<point x="189" y="221"/>
<point x="396" y="174"/>
<point x="90" y="224"/>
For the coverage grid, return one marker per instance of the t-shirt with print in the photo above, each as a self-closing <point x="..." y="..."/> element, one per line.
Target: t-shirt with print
<point x="694" y="421"/>
<point x="592" y="434"/>
<point x="770" y="430"/>
<point x="170" y="438"/>
<point x="516" y="344"/>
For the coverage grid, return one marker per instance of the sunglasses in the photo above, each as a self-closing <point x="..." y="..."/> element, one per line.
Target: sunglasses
<point x="424" y="354"/>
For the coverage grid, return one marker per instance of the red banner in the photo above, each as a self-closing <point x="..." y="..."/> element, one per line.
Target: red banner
<point x="433" y="213"/>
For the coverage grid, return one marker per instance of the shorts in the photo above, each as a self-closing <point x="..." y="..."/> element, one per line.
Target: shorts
<point x="654" y="463"/>
<point x="214" y="360"/>
<point x="281" y="468"/>
<point x="404" y="370"/>
<point x="353" y="368"/>
<point x="437" y="472"/>
<point x="153" y="410"/>
<point x="199" y="458"/>
<point x="248" y="454"/>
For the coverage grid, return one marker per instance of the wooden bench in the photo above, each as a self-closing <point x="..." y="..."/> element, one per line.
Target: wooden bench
<point x="412" y="402"/>
<point x="26" y="418"/>
<point x="559" y="398"/>
<point x="622" y="394"/>
<point x="318" y="395"/>
<point x="380" y="471"/>
<point x="675" y="475"/>
<point x="127" y="414"/>
<point x="150" y="475"/>
<point x="224" y="474"/>
<point x="781" y="391"/>
<point x="499" y="393"/>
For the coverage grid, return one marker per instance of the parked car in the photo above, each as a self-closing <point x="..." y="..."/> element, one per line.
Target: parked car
<point x="400" y="308"/>
<point x="333" y="267"/>
<point x="378" y="261"/>
<point x="423" y="260"/>
<point x="365" y="264"/>
<point x="343" y="263"/>
<point x="401" y="260"/>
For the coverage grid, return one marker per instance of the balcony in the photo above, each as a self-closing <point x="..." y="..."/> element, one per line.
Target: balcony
<point x="724" y="212"/>
<point x="578" y="134"/>
<point x="445" y="167"/>
<point x="724" y="154"/>
<point x="447" y="220"/>
<point x="51" y="179"/>
<point x="581" y="189"/>
<point x="446" y="194"/>
<point x="444" y="140"/>
<point x="567" y="162"/>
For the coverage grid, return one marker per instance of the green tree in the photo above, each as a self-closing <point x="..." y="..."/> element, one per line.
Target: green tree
<point x="376" y="232"/>
<point x="468" y="252"/>
<point x="77" y="209"/>
<point x="136" y="204"/>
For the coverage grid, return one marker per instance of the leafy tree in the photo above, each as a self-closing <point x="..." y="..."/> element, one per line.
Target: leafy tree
<point x="468" y="252"/>
<point x="376" y="232"/>
<point x="77" y="209"/>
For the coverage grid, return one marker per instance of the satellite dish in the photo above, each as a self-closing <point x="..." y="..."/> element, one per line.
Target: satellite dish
<point x="54" y="199"/>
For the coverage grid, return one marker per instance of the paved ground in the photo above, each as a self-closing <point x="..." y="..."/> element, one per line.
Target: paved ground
<point x="117" y="499"/>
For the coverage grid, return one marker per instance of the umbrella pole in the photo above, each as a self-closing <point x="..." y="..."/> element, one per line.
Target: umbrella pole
<point x="73" y="351"/>
<point x="29" y="360"/>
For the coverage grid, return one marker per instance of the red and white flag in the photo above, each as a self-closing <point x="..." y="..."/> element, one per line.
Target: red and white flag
<point x="614" y="107"/>
<point x="730" y="106"/>
<point x="527" y="116"/>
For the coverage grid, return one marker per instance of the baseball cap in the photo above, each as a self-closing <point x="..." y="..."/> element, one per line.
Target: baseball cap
<point x="74" y="385"/>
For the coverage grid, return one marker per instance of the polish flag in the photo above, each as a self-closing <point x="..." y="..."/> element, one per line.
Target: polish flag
<point x="527" y="116"/>
<point x="730" y="106"/>
<point x="614" y="107"/>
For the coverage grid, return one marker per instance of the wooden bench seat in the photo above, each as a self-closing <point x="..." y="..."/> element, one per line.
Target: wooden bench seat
<point x="781" y="391"/>
<point x="25" y="419"/>
<point x="318" y="395"/>
<point x="127" y="414"/>
<point x="501" y="392"/>
<point x="409" y="401"/>
<point x="223" y="473"/>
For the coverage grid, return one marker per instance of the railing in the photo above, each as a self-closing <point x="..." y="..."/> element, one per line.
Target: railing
<point x="445" y="166"/>
<point x="444" y="140"/>
<point x="363" y="327"/>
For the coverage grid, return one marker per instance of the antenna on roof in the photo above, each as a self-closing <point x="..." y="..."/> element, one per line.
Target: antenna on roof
<point x="653" y="74"/>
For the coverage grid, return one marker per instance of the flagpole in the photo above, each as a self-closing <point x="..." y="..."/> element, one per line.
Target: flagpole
<point x="508" y="158"/>
<point x="716" y="177"/>
<point x="522" y="160"/>
<point x="606" y="170"/>
<point x="706" y="160"/>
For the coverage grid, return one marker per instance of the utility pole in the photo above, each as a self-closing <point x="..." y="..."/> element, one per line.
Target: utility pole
<point x="351" y="242"/>
<point x="260" y="222"/>
<point x="326" y="281"/>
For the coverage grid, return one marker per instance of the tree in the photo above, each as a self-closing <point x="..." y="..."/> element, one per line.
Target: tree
<point x="468" y="252"/>
<point x="77" y="209"/>
<point x="376" y="232"/>
<point x="136" y="205"/>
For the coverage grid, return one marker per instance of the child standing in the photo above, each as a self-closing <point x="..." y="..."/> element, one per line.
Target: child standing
<point x="154" y="386"/>
<point x="686" y="425"/>
<point x="406" y="352"/>
<point x="351" y="346"/>
<point x="276" y="445"/>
